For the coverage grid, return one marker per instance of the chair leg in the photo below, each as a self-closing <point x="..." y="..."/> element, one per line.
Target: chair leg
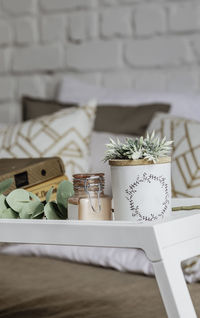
<point x="173" y="289"/>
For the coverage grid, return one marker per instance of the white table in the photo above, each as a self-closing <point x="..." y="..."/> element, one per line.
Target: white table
<point x="165" y="244"/>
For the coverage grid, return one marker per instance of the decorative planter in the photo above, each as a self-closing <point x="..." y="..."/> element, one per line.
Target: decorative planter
<point x="141" y="189"/>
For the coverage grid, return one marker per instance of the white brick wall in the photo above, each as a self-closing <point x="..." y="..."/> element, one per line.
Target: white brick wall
<point x="31" y="85"/>
<point x="5" y="60"/>
<point x="17" y="7"/>
<point x="5" y="33"/>
<point x="158" y="52"/>
<point x="7" y="88"/>
<point x="116" y="21"/>
<point x="60" y="5"/>
<point x="150" y="20"/>
<point x="184" y="17"/>
<point x="53" y="28"/>
<point x="135" y="44"/>
<point x="97" y="55"/>
<point x="38" y="58"/>
<point x="83" y="25"/>
<point x="25" y="30"/>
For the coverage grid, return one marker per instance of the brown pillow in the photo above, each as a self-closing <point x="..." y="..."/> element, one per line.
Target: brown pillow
<point x="118" y="119"/>
<point x="34" y="107"/>
<point x="127" y="119"/>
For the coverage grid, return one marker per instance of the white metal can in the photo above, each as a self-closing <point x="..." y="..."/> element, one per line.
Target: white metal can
<point x="141" y="189"/>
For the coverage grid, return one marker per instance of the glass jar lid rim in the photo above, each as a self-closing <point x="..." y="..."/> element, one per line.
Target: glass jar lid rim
<point x="87" y="175"/>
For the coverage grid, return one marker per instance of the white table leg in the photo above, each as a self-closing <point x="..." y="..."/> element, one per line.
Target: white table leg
<point x="173" y="289"/>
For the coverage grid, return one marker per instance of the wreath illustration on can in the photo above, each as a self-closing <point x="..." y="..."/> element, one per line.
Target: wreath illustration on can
<point x="132" y="189"/>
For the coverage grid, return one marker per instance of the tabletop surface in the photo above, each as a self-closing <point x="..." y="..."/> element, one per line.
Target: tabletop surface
<point x="151" y="237"/>
<point x="175" y="216"/>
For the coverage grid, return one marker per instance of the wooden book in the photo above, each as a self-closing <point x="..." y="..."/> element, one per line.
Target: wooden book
<point x="30" y="172"/>
<point x="41" y="189"/>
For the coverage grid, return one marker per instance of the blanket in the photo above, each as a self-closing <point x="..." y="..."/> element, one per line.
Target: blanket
<point x="40" y="287"/>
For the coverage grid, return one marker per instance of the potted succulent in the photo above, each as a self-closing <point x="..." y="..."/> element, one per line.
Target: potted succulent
<point x="141" y="178"/>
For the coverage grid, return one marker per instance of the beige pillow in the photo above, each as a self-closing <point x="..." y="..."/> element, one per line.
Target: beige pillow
<point x="185" y="154"/>
<point x="65" y="134"/>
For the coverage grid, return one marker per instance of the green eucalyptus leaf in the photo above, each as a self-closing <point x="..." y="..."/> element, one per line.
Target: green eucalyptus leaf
<point x="51" y="211"/>
<point x="64" y="192"/>
<point x="38" y="210"/>
<point x="5" y="184"/>
<point x="8" y="214"/>
<point x="31" y="209"/>
<point x="17" y="198"/>
<point x="3" y="203"/>
<point x="49" y="193"/>
<point x="23" y="214"/>
<point x="40" y="216"/>
<point x="5" y="211"/>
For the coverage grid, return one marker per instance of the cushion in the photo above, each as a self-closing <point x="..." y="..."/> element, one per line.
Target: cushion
<point x="65" y="134"/>
<point x="77" y="91"/>
<point x="185" y="153"/>
<point x="35" y="107"/>
<point x="111" y="118"/>
<point x="125" y="119"/>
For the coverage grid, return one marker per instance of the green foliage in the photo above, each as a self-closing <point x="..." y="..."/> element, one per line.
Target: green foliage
<point x="59" y="210"/>
<point x="5" y="184"/>
<point x="26" y="205"/>
<point x="48" y="195"/>
<point x="65" y="191"/>
<point x="3" y="204"/>
<point x="8" y="214"/>
<point x="51" y="211"/>
<point x="31" y="210"/>
<point x="5" y="211"/>
<point x="17" y="198"/>
<point x="150" y="148"/>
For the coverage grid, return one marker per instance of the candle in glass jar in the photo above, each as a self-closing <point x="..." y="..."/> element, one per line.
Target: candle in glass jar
<point x="95" y="208"/>
<point x="89" y="200"/>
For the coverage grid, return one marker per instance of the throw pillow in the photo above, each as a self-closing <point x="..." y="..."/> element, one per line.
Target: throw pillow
<point x="125" y="119"/>
<point x="185" y="153"/>
<point x="65" y="134"/>
<point x="34" y="107"/>
<point x="111" y="118"/>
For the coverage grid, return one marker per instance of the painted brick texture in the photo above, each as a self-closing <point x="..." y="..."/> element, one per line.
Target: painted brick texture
<point x="141" y="45"/>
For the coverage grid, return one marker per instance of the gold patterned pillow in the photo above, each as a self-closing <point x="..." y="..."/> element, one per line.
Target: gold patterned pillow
<point x="65" y="133"/>
<point x="185" y="153"/>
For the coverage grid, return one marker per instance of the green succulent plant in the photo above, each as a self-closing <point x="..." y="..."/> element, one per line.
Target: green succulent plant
<point x="21" y="204"/>
<point x="150" y="148"/>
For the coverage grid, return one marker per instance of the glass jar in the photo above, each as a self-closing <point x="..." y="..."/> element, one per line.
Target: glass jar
<point x="89" y="197"/>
